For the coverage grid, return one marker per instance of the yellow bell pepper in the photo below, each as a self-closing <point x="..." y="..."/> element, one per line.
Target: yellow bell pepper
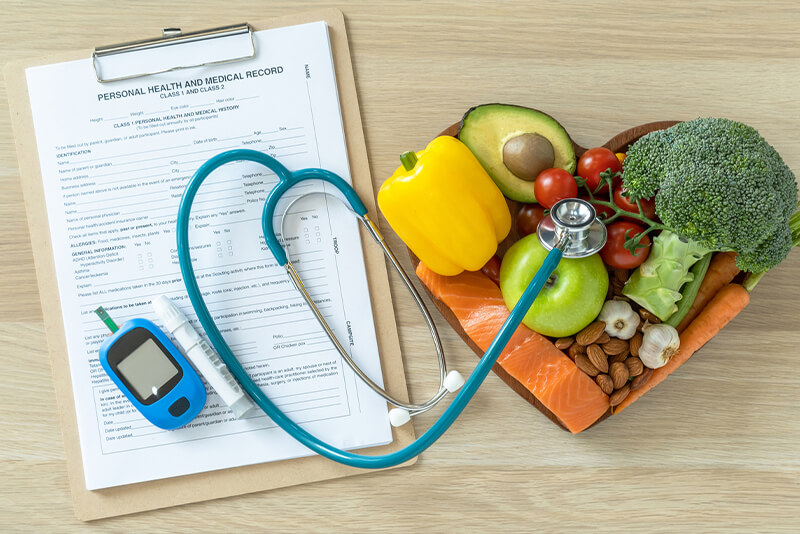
<point x="445" y="207"/>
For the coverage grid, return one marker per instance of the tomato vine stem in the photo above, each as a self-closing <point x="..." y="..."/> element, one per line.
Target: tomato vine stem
<point x="607" y="178"/>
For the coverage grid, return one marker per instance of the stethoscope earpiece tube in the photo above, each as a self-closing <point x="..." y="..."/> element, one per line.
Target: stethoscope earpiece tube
<point x="460" y="401"/>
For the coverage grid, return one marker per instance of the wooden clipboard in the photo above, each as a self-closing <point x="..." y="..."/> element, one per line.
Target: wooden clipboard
<point x="236" y="481"/>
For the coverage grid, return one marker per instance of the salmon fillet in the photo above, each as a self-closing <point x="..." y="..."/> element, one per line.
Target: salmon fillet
<point x="529" y="357"/>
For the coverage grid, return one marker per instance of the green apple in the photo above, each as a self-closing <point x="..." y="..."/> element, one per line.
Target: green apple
<point x="572" y="297"/>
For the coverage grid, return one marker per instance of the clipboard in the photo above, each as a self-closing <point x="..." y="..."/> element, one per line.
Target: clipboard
<point x="168" y="492"/>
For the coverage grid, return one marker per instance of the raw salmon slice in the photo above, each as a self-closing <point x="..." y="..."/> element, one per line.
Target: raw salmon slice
<point x="529" y="357"/>
<point x="555" y="380"/>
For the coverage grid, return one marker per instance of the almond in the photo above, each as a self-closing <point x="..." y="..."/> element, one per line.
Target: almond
<point x="605" y="383"/>
<point x="617" y="358"/>
<point x="604" y="338"/>
<point x="618" y="372"/>
<point x="586" y="366"/>
<point x="597" y="357"/>
<point x="636" y="343"/>
<point x="564" y="343"/>
<point x="575" y="349"/>
<point x="615" y="346"/>
<point x="634" y="365"/>
<point x="647" y="316"/>
<point x="589" y="335"/>
<point x="619" y="395"/>
<point x="642" y="379"/>
<point x="621" y="275"/>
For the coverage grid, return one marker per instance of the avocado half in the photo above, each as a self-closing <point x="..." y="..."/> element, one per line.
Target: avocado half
<point x="505" y="137"/>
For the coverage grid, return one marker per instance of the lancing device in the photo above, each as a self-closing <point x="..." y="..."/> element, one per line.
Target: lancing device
<point x="204" y="358"/>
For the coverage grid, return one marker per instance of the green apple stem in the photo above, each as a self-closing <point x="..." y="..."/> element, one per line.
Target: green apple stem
<point x="551" y="281"/>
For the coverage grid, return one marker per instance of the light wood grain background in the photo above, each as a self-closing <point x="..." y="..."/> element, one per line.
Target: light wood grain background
<point x="716" y="448"/>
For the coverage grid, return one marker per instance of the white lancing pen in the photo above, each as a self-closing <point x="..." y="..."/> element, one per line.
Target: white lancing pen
<point x="203" y="356"/>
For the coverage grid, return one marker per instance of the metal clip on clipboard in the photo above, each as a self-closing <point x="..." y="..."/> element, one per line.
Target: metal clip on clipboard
<point x="169" y="37"/>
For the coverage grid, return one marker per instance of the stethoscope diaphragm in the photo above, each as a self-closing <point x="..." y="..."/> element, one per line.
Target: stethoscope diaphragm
<point x="573" y="220"/>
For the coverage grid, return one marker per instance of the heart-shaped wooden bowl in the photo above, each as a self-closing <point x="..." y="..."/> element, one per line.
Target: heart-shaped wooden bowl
<point x="618" y="143"/>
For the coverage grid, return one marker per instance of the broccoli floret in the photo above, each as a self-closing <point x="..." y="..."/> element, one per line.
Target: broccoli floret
<point x="718" y="182"/>
<point x="645" y="166"/>
<point x="772" y="250"/>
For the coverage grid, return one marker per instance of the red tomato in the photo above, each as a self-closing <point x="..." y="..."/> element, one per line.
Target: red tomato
<point x="553" y="185"/>
<point x="528" y="218"/>
<point x="615" y="254"/>
<point x="492" y="269"/>
<point x="648" y="204"/>
<point x="595" y="161"/>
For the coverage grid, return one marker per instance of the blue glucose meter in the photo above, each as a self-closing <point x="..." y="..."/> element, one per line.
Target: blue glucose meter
<point x="152" y="372"/>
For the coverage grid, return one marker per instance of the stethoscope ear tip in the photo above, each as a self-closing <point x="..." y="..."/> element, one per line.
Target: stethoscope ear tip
<point x="453" y="381"/>
<point x="399" y="417"/>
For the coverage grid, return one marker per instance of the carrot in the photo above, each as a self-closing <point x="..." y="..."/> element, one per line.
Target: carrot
<point x="726" y="304"/>
<point x="720" y="272"/>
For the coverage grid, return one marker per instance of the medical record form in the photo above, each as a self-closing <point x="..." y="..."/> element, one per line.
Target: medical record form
<point x="115" y="159"/>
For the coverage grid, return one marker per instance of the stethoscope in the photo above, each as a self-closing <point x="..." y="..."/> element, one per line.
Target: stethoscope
<point x="570" y="230"/>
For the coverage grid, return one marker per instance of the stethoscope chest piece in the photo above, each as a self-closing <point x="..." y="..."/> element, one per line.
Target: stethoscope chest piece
<point x="572" y="224"/>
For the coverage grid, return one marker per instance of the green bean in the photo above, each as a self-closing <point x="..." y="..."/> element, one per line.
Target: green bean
<point x="689" y="291"/>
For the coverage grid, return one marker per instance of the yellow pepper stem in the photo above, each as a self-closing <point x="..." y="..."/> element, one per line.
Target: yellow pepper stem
<point x="408" y="159"/>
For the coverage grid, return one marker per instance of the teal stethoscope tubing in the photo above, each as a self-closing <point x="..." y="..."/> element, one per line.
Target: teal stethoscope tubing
<point x="286" y="180"/>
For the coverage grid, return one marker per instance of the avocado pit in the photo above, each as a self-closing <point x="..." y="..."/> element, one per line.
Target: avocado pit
<point x="526" y="155"/>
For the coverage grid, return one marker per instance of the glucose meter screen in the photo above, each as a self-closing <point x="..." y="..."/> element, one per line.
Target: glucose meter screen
<point x="146" y="369"/>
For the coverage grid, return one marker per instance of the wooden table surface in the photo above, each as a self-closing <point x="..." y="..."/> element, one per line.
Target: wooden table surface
<point x="716" y="448"/>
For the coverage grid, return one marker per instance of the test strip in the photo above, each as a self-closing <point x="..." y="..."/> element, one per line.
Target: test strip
<point x="101" y="312"/>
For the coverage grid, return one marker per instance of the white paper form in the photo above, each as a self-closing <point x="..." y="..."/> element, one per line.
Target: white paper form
<point x="115" y="159"/>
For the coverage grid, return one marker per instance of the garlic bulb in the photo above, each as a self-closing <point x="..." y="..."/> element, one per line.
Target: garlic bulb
<point x="660" y="342"/>
<point x="621" y="321"/>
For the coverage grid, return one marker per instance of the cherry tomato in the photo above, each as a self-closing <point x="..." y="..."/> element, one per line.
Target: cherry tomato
<point x="604" y="212"/>
<point x="595" y="161"/>
<point x="553" y="185"/>
<point x="492" y="269"/>
<point x="648" y="204"/>
<point x="615" y="254"/>
<point x="528" y="219"/>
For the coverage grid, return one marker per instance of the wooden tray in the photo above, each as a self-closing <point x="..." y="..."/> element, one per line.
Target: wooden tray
<point x="618" y="143"/>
